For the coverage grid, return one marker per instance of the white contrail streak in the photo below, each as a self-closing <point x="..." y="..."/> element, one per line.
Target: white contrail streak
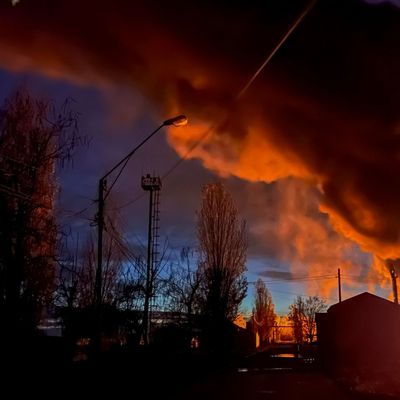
<point x="277" y="47"/>
<point x="238" y="96"/>
<point x="244" y="89"/>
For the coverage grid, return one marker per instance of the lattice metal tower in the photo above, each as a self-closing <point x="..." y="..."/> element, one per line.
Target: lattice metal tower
<point x="152" y="184"/>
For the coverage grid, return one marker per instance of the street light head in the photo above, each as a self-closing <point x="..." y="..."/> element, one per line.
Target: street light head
<point x="179" y="120"/>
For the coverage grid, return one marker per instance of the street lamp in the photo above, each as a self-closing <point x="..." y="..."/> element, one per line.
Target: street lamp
<point x="179" y="120"/>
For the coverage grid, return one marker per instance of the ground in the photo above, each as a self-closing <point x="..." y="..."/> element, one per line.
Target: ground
<point x="267" y="385"/>
<point x="159" y="374"/>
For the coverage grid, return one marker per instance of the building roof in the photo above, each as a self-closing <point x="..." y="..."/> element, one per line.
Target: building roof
<point x="363" y="299"/>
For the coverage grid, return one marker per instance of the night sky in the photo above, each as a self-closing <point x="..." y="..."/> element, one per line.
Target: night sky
<point x="310" y="153"/>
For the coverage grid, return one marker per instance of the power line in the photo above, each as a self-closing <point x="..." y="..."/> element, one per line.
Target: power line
<point x="124" y="247"/>
<point x="76" y="214"/>
<point x="190" y="150"/>
<point x="299" y="279"/>
<point x="118" y="208"/>
<point x="301" y="295"/>
<point x="360" y="279"/>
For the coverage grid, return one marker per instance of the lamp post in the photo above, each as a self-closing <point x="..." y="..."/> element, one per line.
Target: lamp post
<point x="103" y="192"/>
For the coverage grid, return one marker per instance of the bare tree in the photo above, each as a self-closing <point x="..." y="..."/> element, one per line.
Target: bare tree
<point x="302" y="314"/>
<point x="129" y="285"/>
<point x="222" y="245"/>
<point x="77" y="272"/>
<point x="183" y="284"/>
<point x="263" y="311"/>
<point x="34" y="139"/>
<point x="68" y="279"/>
<point x="312" y="305"/>
<point x="121" y="288"/>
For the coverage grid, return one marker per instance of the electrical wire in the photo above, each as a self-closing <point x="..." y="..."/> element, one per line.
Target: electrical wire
<point x="301" y="295"/>
<point x="116" y="178"/>
<point x="129" y="202"/>
<point x="299" y="279"/>
<point x="360" y="279"/>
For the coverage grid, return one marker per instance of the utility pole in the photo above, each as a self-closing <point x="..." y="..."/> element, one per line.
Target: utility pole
<point x="339" y="285"/>
<point x="394" y="284"/>
<point x="151" y="184"/>
<point x="99" y="270"/>
<point x="100" y="222"/>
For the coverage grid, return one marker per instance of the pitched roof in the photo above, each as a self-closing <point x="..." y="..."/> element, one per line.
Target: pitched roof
<point x="362" y="299"/>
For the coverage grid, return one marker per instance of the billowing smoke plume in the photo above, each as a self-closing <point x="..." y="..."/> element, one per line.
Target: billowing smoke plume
<point x="325" y="110"/>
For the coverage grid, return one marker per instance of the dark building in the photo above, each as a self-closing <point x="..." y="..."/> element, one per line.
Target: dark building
<point x="360" y="334"/>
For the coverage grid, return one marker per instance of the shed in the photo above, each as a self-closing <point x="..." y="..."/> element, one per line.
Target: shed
<point x="360" y="333"/>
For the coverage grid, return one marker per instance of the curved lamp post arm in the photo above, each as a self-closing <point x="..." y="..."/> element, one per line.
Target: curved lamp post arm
<point x="129" y="155"/>
<point x="180" y="120"/>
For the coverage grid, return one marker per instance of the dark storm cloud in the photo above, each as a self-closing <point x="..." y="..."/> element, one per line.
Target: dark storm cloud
<point x="325" y="110"/>
<point x="394" y="2"/>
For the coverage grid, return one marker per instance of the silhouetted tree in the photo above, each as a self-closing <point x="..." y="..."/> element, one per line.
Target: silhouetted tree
<point x="122" y="289"/>
<point x="222" y="245"/>
<point x="35" y="138"/>
<point x="296" y="316"/>
<point x="263" y="311"/>
<point x="312" y="305"/>
<point x="302" y="314"/>
<point x="76" y="281"/>
<point x="182" y="286"/>
<point x="68" y="279"/>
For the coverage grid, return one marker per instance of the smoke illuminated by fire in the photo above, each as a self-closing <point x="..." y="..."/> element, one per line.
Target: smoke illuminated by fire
<point x="323" y="119"/>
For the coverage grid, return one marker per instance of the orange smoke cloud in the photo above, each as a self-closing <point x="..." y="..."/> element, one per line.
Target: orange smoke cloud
<point x="304" y="239"/>
<point x="254" y="157"/>
<point x="326" y="110"/>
